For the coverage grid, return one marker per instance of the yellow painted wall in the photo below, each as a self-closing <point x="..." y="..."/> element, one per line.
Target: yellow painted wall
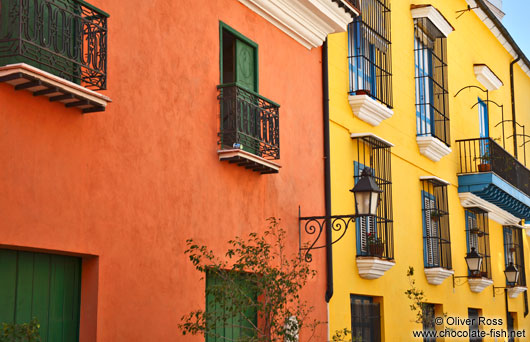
<point x="471" y="43"/>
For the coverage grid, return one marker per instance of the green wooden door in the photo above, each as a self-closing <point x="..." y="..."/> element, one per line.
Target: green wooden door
<point x="235" y="321"/>
<point x="44" y="286"/>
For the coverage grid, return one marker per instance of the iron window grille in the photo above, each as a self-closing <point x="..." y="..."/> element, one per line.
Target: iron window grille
<point x="369" y="54"/>
<point x="514" y="252"/>
<point x="436" y="232"/>
<point x="67" y="38"/>
<point x="375" y="235"/>
<point x="432" y="97"/>
<point x="474" y="327"/>
<point x="484" y="155"/>
<point x="478" y="237"/>
<point x="365" y="319"/>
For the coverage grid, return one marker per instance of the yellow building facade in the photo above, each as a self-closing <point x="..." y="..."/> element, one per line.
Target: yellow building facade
<point x="437" y="204"/>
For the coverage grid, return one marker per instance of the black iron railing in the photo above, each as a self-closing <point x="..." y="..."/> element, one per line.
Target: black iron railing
<point x="67" y="38"/>
<point x="369" y="55"/>
<point x="249" y="121"/>
<point x="485" y="155"/>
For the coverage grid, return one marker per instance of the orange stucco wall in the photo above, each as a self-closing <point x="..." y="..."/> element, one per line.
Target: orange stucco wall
<point x="126" y="188"/>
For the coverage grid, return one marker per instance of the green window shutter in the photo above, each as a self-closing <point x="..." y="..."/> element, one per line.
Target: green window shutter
<point x="44" y="286"/>
<point x="238" y="321"/>
<point x="245" y="65"/>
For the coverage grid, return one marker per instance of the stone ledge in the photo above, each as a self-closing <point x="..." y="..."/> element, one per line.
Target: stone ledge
<point x="513" y="292"/>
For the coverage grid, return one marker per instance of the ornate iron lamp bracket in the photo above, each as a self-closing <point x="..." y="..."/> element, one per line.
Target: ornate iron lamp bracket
<point x="316" y="225"/>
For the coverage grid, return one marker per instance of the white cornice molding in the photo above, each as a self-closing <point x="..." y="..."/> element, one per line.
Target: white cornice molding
<point x="432" y="148"/>
<point x="434" y="16"/>
<point x="470" y="200"/>
<point x="373" y="136"/>
<point x="513" y="292"/>
<point x="369" y="110"/>
<point x="486" y="77"/>
<point x="443" y="181"/>
<point x="307" y="21"/>
<point x="497" y="33"/>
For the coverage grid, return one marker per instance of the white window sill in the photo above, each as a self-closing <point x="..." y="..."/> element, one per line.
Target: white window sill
<point x="373" y="267"/>
<point x="432" y="148"/>
<point x="369" y="110"/>
<point x="436" y="275"/>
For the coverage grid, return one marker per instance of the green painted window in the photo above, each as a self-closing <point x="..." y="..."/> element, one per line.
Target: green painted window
<point x="44" y="286"/>
<point x="230" y="300"/>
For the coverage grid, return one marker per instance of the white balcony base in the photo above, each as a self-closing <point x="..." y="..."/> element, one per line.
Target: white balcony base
<point x="436" y="275"/>
<point x="513" y="292"/>
<point x="26" y="77"/>
<point x="373" y="267"/>
<point x="248" y="160"/>
<point x="486" y="77"/>
<point x="369" y="110"/>
<point x="477" y="285"/>
<point x="432" y="148"/>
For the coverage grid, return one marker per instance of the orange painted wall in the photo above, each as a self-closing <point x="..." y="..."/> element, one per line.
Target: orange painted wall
<point x="130" y="185"/>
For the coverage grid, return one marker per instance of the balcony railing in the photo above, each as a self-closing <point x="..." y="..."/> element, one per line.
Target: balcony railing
<point x="249" y="121"/>
<point x="484" y="155"/>
<point x="67" y="38"/>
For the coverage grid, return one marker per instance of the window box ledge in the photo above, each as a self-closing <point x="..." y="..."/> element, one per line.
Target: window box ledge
<point x="513" y="292"/>
<point x="25" y="77"/>
<point x="369" y="110"/>
<point x="477" y="285"/>
<point x="436" y="275"/>
<point x="249" y="161"/>
<point x="486" y="77"/>
<point x="432" y="148"/>
<point x="373" y="267"/>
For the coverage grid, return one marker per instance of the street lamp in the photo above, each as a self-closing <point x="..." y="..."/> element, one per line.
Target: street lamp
<point x="473" y="261"/>
<point x="511" y="273"/>
<point x="474" y="264"/>
<point x="367" y="194"/>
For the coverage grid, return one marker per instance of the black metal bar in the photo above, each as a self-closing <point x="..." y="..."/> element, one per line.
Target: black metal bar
<point x="11" y="77"/>
<point x="46" y="91"/>
<point x="77" y="103"/>
<point x="512" y="95"/>
<point x="94" y="109"/>
<point x="61" y="97"/>
<point x="327" y="173"/>
<point x="27" y="85"/>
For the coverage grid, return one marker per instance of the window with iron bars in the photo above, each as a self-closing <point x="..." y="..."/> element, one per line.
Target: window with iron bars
<point x="369" y="55"/>
<point x="375" y="235"/>
<point x="514" y="253"/>
<point x="478" y="237"/>
<point x="436" y="235"/>
<point x="432" y="97"/>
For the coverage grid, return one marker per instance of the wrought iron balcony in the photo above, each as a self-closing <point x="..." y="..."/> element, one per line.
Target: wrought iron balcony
<point x="493" y="174"/>
<point x="249" y="122"/>
<point x="67" y="38"/>
<point x="484" y="154"/>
